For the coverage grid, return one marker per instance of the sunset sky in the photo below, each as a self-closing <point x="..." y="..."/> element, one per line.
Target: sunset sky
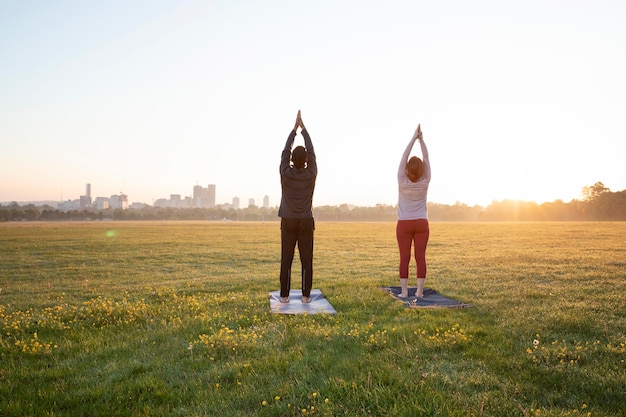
<point x="517" y="100"/>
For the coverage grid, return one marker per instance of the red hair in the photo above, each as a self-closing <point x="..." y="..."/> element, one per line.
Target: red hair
<point x="414" y="169"/>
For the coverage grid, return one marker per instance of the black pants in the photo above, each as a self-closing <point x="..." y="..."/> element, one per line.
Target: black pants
<point x="298" y="231"/>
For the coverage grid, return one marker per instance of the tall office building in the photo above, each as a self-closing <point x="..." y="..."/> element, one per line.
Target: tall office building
<point x="204" y="197"/>
<point x="85" y="200"/>
<point x="266" y="201"/>
<point x="236" y="203"/>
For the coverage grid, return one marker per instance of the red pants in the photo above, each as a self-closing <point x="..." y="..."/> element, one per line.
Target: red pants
<point x="414" y="232"/>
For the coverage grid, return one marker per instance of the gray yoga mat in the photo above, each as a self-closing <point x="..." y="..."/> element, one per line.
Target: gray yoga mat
<point x="318" y="303"/>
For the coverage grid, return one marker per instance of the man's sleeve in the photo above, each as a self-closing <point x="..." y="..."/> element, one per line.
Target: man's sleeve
<point x="286" y="155"/>
<point x="312" y="160"/>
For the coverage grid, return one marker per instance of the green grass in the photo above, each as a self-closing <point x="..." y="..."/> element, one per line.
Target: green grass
<point x="172" y="319"/>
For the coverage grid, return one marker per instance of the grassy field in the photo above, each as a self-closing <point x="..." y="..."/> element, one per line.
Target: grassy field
<point x="172" y="319"/>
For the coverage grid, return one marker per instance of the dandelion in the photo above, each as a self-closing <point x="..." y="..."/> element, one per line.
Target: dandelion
<point x="277" y="398"/>
<point x="264" y="403"/>
<point x="326" y="401"/>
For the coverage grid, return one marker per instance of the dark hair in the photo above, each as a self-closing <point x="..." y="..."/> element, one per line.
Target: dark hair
<point x="299" y="156"/>
<point x="414" y="169"/>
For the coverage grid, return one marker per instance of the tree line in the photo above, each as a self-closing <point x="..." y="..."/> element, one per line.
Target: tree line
<point x="597" y="204"/>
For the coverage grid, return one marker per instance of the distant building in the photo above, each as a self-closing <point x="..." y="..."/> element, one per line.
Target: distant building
<point x="162" y="202"/>
<point x="236" y="203"/>
<point x="175" y="201"/>
<point x="69" y="205"/>
<point x="85" y="202"/>
<point x="204" y="197"/>
<point x="266" y="201"/>
<point x="118" y="201"/>
<point x="251" y="202"/>
<point x="101" y="203"/>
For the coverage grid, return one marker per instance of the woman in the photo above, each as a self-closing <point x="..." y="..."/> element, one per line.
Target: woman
<point x="412" y="227"/>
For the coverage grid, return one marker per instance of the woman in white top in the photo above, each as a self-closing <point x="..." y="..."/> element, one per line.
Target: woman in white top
<point x="412" y="227"/>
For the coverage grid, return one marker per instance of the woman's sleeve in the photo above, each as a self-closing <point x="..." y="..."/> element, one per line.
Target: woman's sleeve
<point x="425" y="159"/>
<point x="405" y="158"/>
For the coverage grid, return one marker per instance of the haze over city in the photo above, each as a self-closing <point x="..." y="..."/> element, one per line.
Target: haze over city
<point x="517" y="100"/>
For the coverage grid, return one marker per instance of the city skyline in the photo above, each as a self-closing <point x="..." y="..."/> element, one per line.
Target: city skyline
<point x="124" y="201"/>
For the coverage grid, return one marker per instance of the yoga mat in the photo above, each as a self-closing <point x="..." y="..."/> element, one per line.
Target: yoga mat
<point x="318" y="303"/>
<point x="431" y="299"/>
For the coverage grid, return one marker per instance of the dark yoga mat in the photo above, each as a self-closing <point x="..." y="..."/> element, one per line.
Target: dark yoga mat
<point x="431" y="299"/>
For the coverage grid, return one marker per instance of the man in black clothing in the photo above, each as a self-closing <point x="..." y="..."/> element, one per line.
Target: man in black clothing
<point x="298" y="171"/>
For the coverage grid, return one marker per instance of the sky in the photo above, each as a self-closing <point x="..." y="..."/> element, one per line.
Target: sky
<point x="517" y="100"/>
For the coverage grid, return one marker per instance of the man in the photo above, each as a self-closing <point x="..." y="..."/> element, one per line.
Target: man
<point x="298" y="171"/>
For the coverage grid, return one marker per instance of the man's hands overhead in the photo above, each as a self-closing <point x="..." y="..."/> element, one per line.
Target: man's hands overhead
<point x="298" y="122"/>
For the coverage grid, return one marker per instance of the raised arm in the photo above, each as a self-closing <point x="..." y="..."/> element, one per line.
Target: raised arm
<point x="424" y="149"/>
<point x="407" y="152"/>
<point x="308" y="145"/>
<point x="286" y="155"/>
<point x="311" y="158"/>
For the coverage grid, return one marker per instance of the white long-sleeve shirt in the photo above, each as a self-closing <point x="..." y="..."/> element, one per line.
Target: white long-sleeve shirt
<point x="412" y="196"/>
